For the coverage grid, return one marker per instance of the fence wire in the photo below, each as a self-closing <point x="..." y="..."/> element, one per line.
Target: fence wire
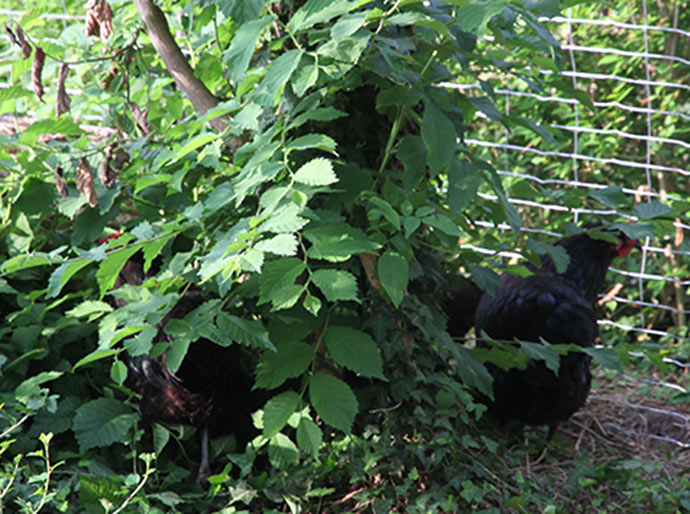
<point x="650" y="172"/>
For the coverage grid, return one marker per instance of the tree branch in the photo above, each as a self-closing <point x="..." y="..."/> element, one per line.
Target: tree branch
<point x="162" y="40"/>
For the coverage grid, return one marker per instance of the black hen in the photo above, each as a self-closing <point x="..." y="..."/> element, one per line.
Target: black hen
<point x="560" y="309"/>
<point x="212" y="389"/>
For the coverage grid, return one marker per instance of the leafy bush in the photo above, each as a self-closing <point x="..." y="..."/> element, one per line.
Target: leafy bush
<point x="317" y="207"/>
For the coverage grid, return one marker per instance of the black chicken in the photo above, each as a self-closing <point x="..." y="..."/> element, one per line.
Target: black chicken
<point x="212" y="389"/>
<point x="558" y="307"/>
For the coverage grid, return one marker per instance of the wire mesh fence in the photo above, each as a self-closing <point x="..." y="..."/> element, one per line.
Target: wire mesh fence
<point x="625" y="135"/>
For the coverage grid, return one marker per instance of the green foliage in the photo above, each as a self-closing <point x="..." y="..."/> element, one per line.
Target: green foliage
<point x="319" y="229"/>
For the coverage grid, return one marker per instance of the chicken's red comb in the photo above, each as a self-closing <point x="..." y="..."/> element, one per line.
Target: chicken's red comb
<point x="109" y="237"/>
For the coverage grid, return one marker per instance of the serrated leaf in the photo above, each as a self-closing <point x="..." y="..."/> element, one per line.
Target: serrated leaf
<point x="161" y="436"/>
<point x="194" y="143"/>
<point x="393" y="271"/>
<point x="141" y="343"/>
<point x="102" y="422"/>
<point x="486" y="278"/>
<point x="607" y="357"/>
<point x="317" y="172"/>
<point x="651" y="209"/>
<point x="282" y="244"/>
<point x="88" y="308"/>
<point x="110" y="268"/>
<point x="309" y="436"/>
<point x="289" y="361"/>
<point x="438" y="134"/>
<point x="337" y="242"/>
<point x="243" y="44"/>
<point x="61" y="275"/>
<point x="318" y="11"/>
<point x="277" y="412"/>
<point x="320" y="114"/>
<point x="94" y="356"/>
<point x="277" y="281"/>
<point x="282" y="452"/>
<point x="277" y="75"/>
<point x="354" y="350"/>
<point x="320" y="141"/>
<point x="612" y="196"/>
<point x="333" y="400"/>
<point x="245" y="331"/>
<point x="443" y="223"/>
<point x="538" y="351"/>
<point x="558" y="254"/>
<point x="336" y="284"/>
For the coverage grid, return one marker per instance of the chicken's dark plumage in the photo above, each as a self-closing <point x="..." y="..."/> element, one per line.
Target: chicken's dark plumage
<point x="560" y="309"/>
<point x="211" y="390"/>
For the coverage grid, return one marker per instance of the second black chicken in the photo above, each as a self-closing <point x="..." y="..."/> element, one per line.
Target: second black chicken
<point x="556" y="307"/>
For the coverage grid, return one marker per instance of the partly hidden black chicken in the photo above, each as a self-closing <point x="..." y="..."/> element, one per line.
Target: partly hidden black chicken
<point x="558" y="307"/>
<point x="211" y="390"/>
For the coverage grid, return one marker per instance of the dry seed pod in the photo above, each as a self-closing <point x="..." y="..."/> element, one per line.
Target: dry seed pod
<point x="36" y="70"/>
<point x="60" y="182"/>
<point x="63" y="99"/>
<point x="85" y="182"/>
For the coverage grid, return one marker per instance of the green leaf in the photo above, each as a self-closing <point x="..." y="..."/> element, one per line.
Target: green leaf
<point x="336" y="284"/>
<point x="320" y="141"/>
<point x="31" y="388"/>
<point x="305" y="77"/>
<point x="354" y="350"/>
<point x="485" y="105"/>
<point x="61" y="275"/>
<point x="393" y="271"/>
<point x="473" y="16"/>
<point x="607" y="357"/>
<point x="282" y="244"/>
<point x="277" y="75"/>
<point x="438" y="134"/>
<point x="242" y="47"/>
<point x="333" y="400"/>
<point x="194" y="143"/>
<point x="118" y="372"/>
<point x="289" y="361"/>
<point x="245" y="331"/>
<point x="312" y="304"/>
<point x="612" y="196"/>
<point x="88" y="308"/>
<point x="559" y="255"/>
<point x="485" y="278"/>
<point x="277" y="412"/>
<point x="248" y="117"/>
<point x="282" y="452"/>
<point x="411" y="152"/>
<point x="277" y="282"/>
<point x="383" y="207"/>
<point x="443" y="223"/>
<point x="398" y="96"/>
<point x="464" y="180"/>
<point x="93" y="357"/>
<point x="319" y="114"/>
<point x="318" y="11"/>
<point x="651" y="209"/>
<point x="109" y="269"/>
<point x="309" y="436"/>
<point x="347" y="25"/>
<point x="102" y="422"/>
<point x="317" y="172"/>
<point x="161" y="436"/>
<point x="337" y="242"/>
<point x="543" y="352"/>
